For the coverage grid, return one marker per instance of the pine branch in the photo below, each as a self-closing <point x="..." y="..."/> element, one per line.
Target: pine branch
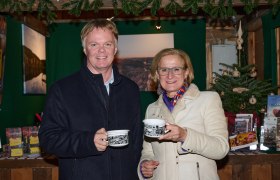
<point x="131" y="7"/>
<point x="249" y="5"/>
<point x="221" y="9"/>
<point x="115" y="6"/>
<point x="46" y="9"/>
<point x="172" y="7"/>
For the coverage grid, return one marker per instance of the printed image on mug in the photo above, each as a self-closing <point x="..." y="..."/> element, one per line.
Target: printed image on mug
<point x="154" y="127"/>
<point x="118" y="138"/>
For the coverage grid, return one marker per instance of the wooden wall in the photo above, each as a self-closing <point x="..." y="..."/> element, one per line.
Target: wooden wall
<point x="235" y="166"/>
<point x="256" y="46"/>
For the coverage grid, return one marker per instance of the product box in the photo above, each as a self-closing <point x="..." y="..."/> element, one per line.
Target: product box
<point x="241" y="125"/>
<point x="30" y="139"/>
<point x="273" y="106"/>
<point x="14" y="139"/>
<point x="249" y="118"/>
<point x="278" y="135"/>
<point x="270" y="124"/>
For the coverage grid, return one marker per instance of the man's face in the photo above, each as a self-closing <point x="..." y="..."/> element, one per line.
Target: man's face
<point x="100" y="49"/>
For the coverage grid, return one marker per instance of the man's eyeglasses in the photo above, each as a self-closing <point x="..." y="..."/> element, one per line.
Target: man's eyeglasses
<point x="174" y="70"/>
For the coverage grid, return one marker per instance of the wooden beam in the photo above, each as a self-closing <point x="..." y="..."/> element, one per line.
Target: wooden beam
<point x="34" y="23"/>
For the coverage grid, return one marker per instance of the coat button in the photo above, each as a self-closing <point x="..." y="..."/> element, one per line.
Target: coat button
<point x="177" y="162"/>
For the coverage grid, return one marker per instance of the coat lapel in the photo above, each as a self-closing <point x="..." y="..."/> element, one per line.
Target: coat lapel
<point x="162" y="111"/>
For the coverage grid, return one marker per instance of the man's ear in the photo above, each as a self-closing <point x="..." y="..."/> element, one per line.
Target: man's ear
<point x="116" y="50"/>
<point x="85" y="51"/>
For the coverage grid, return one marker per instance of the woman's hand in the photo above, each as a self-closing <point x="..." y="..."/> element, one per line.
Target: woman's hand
<point x="176" y="133"/>
<point x="147" y="168"/>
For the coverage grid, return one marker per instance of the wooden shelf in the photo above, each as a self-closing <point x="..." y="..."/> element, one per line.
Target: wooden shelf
<point x="249" y="166"/>
<point x="235" y="166"/>
<point x="29" y="169"/>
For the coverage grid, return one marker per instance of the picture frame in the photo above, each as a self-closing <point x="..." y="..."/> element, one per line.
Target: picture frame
<point x="34" y="61"/>
<point x="135" y="55"/>
<point x="241" y="125"/>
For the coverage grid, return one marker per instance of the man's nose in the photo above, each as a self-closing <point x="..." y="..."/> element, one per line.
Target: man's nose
<point x="101" y="49"/>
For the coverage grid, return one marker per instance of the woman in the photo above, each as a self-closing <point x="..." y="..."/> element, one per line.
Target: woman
<point x="198" y="129"/>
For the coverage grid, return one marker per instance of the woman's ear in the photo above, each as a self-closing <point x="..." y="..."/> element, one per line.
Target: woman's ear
<point x="187" y="73"/>
<point x="156" y="75"/>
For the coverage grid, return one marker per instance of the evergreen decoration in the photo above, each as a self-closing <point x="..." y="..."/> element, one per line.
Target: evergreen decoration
<point x="215" y="9"/>
<point x="242" y="93"/>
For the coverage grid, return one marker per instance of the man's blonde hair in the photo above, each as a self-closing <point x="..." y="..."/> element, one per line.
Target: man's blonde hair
<point x="95" y="24"/>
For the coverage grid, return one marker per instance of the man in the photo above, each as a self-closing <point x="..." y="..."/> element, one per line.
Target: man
<point x="82" y="107"/>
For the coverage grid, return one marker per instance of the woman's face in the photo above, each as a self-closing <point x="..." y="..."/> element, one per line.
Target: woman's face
<point x="171" y="74"/>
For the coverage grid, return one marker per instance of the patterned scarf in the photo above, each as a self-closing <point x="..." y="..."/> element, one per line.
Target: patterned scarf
<point x="171" y="102"/>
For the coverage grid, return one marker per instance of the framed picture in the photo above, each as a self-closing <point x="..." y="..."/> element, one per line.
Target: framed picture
<point x="34" y="61"/>
<point x="135" y="55"/>
<point x="3" y="30"/>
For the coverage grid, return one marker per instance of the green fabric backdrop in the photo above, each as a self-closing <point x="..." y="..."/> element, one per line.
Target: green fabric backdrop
<point x="65" y="51"/>
<point x="64" y="56"/>
<point x="16" y="109"/>
<point x="270" y="62"/>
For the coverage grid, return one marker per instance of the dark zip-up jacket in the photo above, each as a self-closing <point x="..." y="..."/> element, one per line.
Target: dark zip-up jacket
<point x="79" y="105"/>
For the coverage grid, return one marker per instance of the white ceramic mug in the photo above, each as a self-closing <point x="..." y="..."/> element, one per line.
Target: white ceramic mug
<point x="118" y="138"/>
<point x="154" y="127"/>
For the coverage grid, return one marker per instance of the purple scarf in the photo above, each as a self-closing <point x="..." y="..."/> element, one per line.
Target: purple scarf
<point x="170" y="103"/>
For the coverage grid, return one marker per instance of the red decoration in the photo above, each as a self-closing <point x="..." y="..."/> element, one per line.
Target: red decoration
<point x="231" y="120"/>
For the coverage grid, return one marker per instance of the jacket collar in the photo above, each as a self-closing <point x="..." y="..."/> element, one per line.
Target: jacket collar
<point x="192" y="93"/>
<point x="95" y="77"/>
<point x="117" y="75"/>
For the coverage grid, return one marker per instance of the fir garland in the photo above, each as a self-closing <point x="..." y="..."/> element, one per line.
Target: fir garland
<point x="215" y="9"/>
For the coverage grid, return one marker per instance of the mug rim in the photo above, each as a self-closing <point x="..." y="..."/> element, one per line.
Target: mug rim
<point x="118" y="132"/>
<point x="154" y="121"/>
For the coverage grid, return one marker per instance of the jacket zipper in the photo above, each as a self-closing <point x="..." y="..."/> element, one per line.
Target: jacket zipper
<point x="74" y="167"/>
<point x="198" y="174"/>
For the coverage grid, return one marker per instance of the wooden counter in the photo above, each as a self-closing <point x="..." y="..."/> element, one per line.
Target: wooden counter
<point x="249" y="166"/>
<point x="235" y="166"/>
<point x="29" y="169"/>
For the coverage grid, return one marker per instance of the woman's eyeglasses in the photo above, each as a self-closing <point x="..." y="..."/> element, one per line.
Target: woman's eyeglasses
<point x="174" y="70"/>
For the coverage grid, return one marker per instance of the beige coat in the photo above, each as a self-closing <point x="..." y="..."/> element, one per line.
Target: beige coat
<point x="202" y="115"/>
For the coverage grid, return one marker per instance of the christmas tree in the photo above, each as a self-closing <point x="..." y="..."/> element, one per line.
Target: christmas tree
<point x="238" y="86"/>
<point x="240" y="90"/>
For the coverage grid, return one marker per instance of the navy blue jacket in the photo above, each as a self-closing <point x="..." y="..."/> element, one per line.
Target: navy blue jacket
<point x="76" y="107"/>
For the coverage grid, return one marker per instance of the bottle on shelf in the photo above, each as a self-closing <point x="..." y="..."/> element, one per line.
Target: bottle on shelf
<point x="255" y="146"/>
<point x="262" y="146"/>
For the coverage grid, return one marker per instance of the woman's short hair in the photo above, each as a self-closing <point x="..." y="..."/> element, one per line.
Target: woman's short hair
<point x="95" y="24"/>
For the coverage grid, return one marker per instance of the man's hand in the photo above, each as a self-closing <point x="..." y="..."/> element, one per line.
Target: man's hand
<point x="100" y="140"/>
